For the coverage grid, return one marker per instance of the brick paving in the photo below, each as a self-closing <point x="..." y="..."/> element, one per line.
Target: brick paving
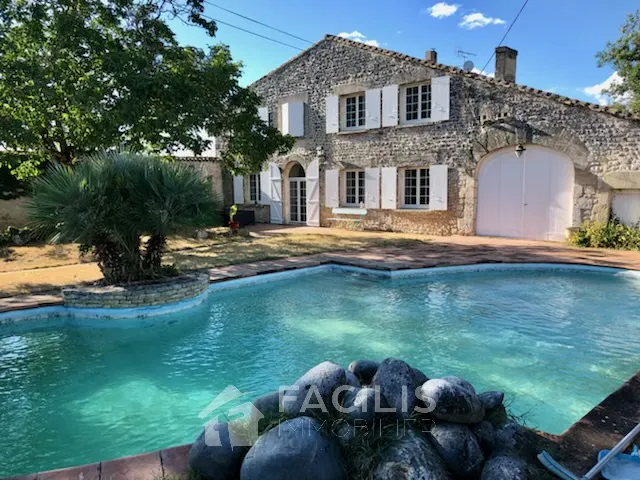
<point x="601" y="428"/>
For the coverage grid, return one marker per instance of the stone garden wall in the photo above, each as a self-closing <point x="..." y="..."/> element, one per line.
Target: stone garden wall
<point x="138" y="294"/>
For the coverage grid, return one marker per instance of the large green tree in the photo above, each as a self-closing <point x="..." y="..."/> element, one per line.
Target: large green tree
<point x="78" y="76"/>
<point x="624" y="56"/>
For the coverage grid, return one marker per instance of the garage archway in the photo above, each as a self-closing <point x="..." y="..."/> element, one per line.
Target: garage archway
<point x="530" y="196"/>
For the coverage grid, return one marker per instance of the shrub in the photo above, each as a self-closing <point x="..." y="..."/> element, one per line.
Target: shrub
<point x="108" y="202"/>
<point x="612" y="234"/>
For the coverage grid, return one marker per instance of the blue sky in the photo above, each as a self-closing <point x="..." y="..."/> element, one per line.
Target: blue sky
<point x="556" y="40"/>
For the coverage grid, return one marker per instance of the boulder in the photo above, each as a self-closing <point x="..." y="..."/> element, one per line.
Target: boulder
<point x="323" y="379"/>
<point x="486" y="435"/>
<point x="509" y="440"/>
<point x="364" y="370"/>
<point x="352" y="379"/>
<point x="453" y="400"/>
<point x="363" y="404"/>
<point x="267" y="405"/>
<point x="504" y="468"/>
<point x="459" y="449"/>
<point x="419" y="376"/>
<point x="297" y="448"/>
<point x="409" y="457"/>
<point x="392" y="378"/>
<point x="491" y="400"/>
<point x="220" y="460"/>
<point x="344" y="432"/>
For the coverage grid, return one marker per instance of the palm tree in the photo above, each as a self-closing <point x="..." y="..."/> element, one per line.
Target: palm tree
<point x="109" y="201"/>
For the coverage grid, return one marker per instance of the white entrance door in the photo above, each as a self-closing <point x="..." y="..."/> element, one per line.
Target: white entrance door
<point x="527" y="197"/>
<point x="297" y="200"/>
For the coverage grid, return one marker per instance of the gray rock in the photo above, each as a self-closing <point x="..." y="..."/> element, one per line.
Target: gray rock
<point x="504" y="468"/>
<point x="364" y="370"/>
<point x="509" y="440"/>
<point x="344" y="432"/>
<point x="459" y="449"/>
<point x="297" y="448"/>
<point x="491" y="400"/>
<point x="363" y="403"/>
<point x="219" y="462"/>
<point x="410" y="457"/>
<point x="419" y="376"/>
<point x="392" y="378"/>
<point x="325" y="377"/>
<point x="453" y="400"/>
<point x="269" y="406"/>
<point x="352" y="379"/>
<point x="486" y="435"/>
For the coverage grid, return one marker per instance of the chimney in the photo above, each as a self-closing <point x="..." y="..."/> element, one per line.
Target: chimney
<point x="506" y="64"/>
<point x="431" y="56"/>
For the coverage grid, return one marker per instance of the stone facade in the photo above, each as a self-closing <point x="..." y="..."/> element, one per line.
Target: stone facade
<point x="210" y="169"/>
<point x="137" y="294"/>
<point x="485" y="116"/>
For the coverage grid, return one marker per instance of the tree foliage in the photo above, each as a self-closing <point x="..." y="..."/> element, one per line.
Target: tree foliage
<point x="109" y="201"/>
<point x="624" y="56"/>
<point x="79" y="76"/>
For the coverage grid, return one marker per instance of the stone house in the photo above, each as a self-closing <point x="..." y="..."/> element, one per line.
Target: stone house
<point x="386" y="141"/>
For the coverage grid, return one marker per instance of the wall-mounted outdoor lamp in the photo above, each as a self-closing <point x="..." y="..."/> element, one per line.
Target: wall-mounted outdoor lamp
<point x="520" y="149"/>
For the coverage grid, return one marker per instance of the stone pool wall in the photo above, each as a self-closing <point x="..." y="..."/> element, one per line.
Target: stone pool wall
<point x="138" y="294"/>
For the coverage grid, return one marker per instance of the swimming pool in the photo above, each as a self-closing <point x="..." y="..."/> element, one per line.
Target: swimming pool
<point x="556" y="341"/>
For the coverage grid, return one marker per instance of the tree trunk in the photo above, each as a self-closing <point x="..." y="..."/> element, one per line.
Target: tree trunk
<point x="154" y="249"/>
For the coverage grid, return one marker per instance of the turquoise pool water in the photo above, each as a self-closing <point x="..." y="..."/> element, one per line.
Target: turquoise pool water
<point x="557" y="342"/>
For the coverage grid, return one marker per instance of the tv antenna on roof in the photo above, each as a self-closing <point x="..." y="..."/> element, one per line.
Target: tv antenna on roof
<point x="468" y="64"/>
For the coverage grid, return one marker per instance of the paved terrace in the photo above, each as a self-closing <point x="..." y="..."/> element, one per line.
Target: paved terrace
<point x="601" y="428"/>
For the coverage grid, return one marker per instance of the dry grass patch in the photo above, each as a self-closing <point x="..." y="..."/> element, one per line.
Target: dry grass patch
<point x="32" y="269"/>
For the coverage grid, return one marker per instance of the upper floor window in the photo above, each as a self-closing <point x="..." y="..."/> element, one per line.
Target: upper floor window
<point x="354" y="111"/>
<point x="415" y="188"/>
<point x="254" y="187"/>
<point x="271" y="118"/>
<point x="416" y="102"/>
<point x="354" y="187"/>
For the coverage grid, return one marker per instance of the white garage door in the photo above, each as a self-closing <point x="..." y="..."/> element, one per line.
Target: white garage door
<point x="527" y="197"/>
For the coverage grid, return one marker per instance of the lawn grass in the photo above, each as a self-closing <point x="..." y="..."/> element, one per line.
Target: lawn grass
<point x="30" y="269"/>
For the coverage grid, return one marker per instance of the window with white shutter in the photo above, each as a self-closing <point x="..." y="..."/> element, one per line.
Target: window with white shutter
<point x="255" y="191"/>
<point x="415" y="187"/>
<point x="332" y="108"/>
<point x="353" y="112"/>
<point x="354" y="188"/>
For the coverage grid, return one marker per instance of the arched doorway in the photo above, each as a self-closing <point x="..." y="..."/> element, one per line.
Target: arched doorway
<point x="296" y="194"/>
<point x="530" y="196"/>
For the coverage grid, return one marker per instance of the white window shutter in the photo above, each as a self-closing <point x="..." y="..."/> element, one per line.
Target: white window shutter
<point x="263" y="113"/>
<point x="372" y="106"/>
<point x="265" y="188"/>
<point x="332" y="188"/>
<point x="293" y="119"/>
<point x="389" y="181"/>
<point x="238" y="189"/>
<point x="313" y="194"/>
<point x="275" y="182"/>
<point x="390" y="106"/>
<point x="440" y="87"/>
<point x="332" y="107"/>
<point x="372" y="188"/>
<point x="438" y="187"/>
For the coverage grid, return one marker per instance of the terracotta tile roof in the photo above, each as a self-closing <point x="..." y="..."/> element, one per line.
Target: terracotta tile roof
<point x="460" y="72"/>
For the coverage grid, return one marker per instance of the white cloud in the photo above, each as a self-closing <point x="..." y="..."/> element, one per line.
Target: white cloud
<point x="479" y="20"/>
<point x="442" y="10"/>
<point x="356" y="36"/>
<point x="482" y="72"/>
<point x="597" y="91"/>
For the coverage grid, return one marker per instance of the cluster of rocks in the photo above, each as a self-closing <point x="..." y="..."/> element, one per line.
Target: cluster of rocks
<point x="382" y="421"/>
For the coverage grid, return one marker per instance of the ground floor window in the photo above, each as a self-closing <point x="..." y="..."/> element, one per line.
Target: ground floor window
<point x="415" y="188"/>
<point x="254" y="187"/>
<point x="354" y="187"/>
